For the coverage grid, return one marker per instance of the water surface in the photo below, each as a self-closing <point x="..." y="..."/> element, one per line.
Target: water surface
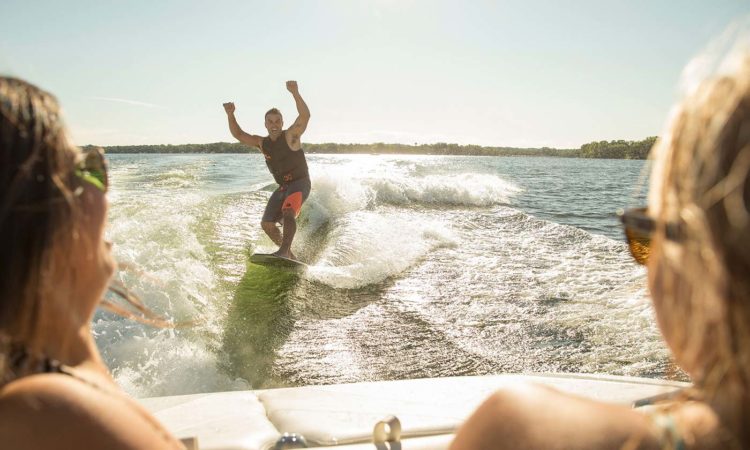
<point x="421" y="266"/>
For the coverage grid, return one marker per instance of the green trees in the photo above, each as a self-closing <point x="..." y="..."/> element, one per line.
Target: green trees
<point x="618" y="149"/>
<point x="218" y="147"/>
<point x="602" y="149"/>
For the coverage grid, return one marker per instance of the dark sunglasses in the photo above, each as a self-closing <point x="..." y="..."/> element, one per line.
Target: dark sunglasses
<point x="639" y="227"/>
<point x="93" y="169"/>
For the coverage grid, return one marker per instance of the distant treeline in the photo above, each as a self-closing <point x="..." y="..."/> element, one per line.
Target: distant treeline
<point x="617" y="149"/>
<point x="602" y="149"/>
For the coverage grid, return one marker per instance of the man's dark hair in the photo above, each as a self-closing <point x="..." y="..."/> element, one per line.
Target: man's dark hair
<point x="273" y="111"/>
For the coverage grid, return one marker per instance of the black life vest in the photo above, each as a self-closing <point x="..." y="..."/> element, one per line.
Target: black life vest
<point x="286" y="165"/>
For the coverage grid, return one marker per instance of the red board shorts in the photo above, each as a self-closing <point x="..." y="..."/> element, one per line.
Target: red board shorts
<point x="288" y="196"/>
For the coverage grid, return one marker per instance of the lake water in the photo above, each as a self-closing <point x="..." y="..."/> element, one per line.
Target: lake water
<point x="420" y="266"/>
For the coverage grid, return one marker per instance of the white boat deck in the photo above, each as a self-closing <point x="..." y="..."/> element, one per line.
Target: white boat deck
<point x="344" y="415"/>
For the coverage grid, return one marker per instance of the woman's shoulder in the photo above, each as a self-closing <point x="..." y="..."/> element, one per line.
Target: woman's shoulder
<point x="534" y="416"/>
<point x="54" y="410"/>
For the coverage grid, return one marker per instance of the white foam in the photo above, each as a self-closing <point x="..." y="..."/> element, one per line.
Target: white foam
<point x="339" y="194"/>
<point x="449" y="190"/>
<point x="156" y="230"/>
<point x="167" y="364"/>
<point x="368" y="247"/>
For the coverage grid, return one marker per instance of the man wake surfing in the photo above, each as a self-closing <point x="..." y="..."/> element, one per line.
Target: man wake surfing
<point x="286" y="161"/>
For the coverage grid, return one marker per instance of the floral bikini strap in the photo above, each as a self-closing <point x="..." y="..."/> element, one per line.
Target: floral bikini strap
<point x="18" y="362"/>
<point x="669" y="436"/>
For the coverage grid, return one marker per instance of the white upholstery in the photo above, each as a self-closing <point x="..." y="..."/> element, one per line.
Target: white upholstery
<point x="223" y="420"/>
<point x="439" y="442"/>
<point x="429" y="409"/>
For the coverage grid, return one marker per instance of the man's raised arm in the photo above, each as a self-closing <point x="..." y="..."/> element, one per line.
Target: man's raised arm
<point x="234" y="128"/>
<point x="300" y="125"/>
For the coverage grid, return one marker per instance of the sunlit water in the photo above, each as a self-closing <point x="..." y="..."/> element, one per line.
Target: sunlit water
<point x="421" y="266"/>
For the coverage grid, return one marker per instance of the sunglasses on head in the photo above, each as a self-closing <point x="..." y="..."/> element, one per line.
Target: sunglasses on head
<point x="639" y="227"/>
<point x="92" y="168"/>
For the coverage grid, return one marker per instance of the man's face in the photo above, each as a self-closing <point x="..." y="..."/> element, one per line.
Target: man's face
<point x="274" y="124"/>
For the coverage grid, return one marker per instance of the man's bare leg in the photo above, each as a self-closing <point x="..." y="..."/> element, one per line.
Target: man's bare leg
<point x="272" y="231"/>
<point x="290" y="229"/>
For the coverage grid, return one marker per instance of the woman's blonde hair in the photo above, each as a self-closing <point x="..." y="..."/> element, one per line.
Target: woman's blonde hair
<point x="701" y="183"/>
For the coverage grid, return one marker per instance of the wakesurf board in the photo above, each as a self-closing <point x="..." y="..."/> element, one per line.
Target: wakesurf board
<point x="271" y="260"/>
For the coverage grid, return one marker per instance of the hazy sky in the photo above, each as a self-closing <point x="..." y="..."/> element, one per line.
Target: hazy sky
<point x="520" y="73"/>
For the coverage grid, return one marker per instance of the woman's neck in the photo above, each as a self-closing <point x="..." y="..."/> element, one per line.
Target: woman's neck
<point x="63" y="333"/>
<point x="74" y="349"/>
<point x="732" y="406"/>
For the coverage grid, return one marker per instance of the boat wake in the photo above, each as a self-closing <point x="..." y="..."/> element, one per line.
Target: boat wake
<point x="379" y="227"/>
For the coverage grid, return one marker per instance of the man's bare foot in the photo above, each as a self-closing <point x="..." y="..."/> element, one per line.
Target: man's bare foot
<point x="287" y="255"/>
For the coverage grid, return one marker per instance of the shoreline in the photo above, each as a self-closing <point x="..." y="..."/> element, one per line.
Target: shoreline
<point x="596" y="150"/>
